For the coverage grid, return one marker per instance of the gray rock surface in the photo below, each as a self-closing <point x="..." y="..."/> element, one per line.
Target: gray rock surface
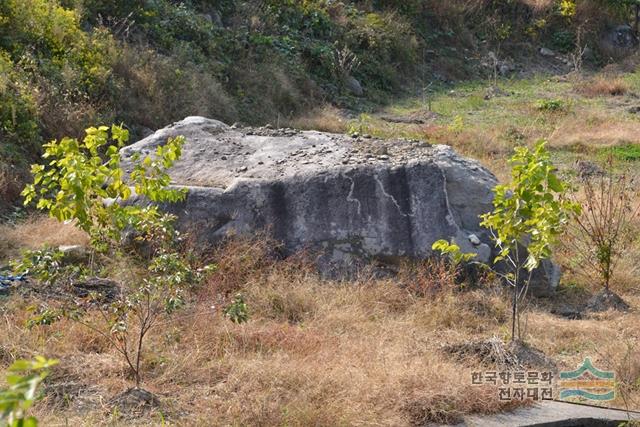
<point x="348" y="199"/>
<point x="554" y="414"/>
<point x="354" y="86"/>
<point x="618" y="42"/>
<point x="622" y="37"/>
<point x="545" y="51"/>
<point x="545" y="279"/>
<point x="74" y="254"/>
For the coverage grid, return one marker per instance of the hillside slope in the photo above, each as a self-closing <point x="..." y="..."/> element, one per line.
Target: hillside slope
<point x="66" y="64"/>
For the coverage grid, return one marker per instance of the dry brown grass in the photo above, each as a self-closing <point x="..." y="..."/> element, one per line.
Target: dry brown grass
<point x="152" y="94"/>
<point x="539" y="5"/>
<point x="327" y="119"/>
<point x="313" y="353"/>
<point x="603" y="86"/>
<point x="36" y="232"/>
<point x="595" y="129"/>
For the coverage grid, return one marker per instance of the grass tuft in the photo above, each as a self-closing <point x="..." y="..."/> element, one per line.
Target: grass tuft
<point x="602" y="86"/>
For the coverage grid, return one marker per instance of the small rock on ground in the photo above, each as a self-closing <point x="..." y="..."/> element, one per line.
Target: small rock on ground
<point x="105" y="289"/>
<point x="568" y="312"/>
<point x="135" y="401"/>
<point x="606" y="300"/>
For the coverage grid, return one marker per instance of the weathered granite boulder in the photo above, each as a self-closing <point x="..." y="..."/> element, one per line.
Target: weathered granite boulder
<point x="618" y="42"/>
<point x="347" y="199"/>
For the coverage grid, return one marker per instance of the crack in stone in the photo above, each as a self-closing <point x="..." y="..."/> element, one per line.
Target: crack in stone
<point x="449" y="215"/>
<point x="393" y="199"/>
<point x="350" y="197"/>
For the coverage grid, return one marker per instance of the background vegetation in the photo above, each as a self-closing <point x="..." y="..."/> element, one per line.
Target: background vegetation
<point x="69" y="64"/>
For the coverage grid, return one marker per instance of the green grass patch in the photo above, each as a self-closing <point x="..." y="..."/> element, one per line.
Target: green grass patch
<point x="551" y="105"/>
<point x="626" y="152"/>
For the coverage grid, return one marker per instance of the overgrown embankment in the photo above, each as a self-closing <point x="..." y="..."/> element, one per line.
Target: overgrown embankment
<point x="67" y="64"/>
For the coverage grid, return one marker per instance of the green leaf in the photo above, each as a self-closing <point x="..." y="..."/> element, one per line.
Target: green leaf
<point x="555" y="184"/>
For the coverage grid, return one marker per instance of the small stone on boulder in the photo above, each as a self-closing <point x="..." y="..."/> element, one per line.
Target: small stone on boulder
<point x="544" y="51"/>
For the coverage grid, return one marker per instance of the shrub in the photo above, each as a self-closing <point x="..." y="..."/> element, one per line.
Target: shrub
<point x="42" y="264"/>
<point x="389" y="38"/>
<point x="551" y="105"/>
<point x="457" y="125"/>
<point x="237" y="311"/>
<point x="18" y="126"/>
<point x="49" y="69"/>
<point x="564" y="41"/>
<point x="432" y="276"/>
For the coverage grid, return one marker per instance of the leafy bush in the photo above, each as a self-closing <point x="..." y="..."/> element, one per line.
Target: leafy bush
<point x="237" y="311"/>
<point x="551" y="105"/>
<point x="49" y="67"/>
<point x="564" y="41"/>
<point x="361" y="125"/>
<point x="42" y="264"/>
<point x="75" y="182"/>
<point x="453" y="252"/>
<point x="18" y="125"/>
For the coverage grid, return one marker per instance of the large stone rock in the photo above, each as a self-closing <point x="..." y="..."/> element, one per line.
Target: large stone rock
<point x="354" y="86"/>
<point x="622" y="37"/>
<point x="348" y="199"/>
<point x="618" y="42"/>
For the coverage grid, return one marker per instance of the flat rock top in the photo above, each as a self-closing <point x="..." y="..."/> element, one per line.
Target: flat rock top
<point x="216" y="155"/>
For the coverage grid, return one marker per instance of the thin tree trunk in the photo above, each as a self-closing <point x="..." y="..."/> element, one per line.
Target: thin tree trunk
<point x="514" y="314"/>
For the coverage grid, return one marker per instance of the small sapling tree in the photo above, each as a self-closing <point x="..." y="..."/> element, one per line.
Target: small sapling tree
<point x="83" y="181"/>
<point x="531" y="211"/>
<point x="528" y="215"/>
<point x="604" y="230"/>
